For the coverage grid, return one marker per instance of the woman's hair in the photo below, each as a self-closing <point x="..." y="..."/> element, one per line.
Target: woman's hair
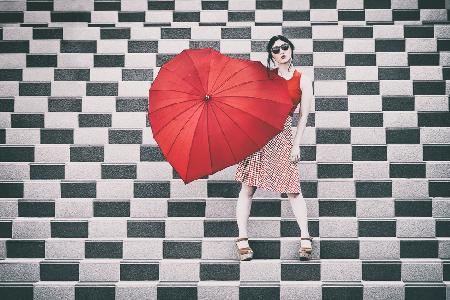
<point x="269" y="49"/>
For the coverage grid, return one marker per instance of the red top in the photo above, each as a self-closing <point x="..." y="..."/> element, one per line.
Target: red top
<point x="294" y="88"/>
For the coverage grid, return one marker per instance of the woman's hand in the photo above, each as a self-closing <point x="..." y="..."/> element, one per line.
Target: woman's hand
<point x="295" y="154"/>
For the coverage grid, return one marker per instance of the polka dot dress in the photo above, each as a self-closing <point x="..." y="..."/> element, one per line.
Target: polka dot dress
<point x="270" y="167"/>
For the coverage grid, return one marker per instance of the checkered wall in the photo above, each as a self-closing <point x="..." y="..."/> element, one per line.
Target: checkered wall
<point x="90" y="209"/>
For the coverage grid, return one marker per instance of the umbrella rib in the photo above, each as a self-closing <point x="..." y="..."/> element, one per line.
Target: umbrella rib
<point x="238" y="96"/>
<point x="247" y="113"/>
<point x="234" y="74"/>
<point x="240" y="84"/>
<point x="174" y="91"/>
<point x="175" y="74"/>
<point x="153" y="111"/>
<point x="155" y="134"/>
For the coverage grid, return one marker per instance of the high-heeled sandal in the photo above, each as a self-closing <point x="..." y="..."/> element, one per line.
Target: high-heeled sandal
<point x="245" y="253"/>
<point x="305" y="252"/>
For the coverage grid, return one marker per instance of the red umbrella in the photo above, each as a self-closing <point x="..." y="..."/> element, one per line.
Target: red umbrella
<point x="209" y="111"/>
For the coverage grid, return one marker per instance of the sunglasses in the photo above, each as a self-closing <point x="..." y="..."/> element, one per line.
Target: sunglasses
<point x="276" y="49"/>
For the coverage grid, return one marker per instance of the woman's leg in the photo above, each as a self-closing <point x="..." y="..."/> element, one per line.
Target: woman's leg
<point x="243" y="206"/>
<point x="299" y="208"/>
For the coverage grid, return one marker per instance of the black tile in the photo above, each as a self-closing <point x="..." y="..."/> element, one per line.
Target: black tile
<point x="259" y="292"/>
<point x="103" y="249"/>
<point x="2" y="135"/>
<point x="12" y="154"/>
<point x="339" y="249"/>
<point x="16" y="291"/>
<point x="11" y="189"/>
<point x="42" y="60"/>
<point x="423" y="59"/>
<point x="328" y="46"/>
<point x="379" y="4"/>
<point x="139" y="271"/>
<point x="446" y="270"/>
<point x="132" y="104"/>
<point x="419" y="248"/>
<point x="308" y="153"/>
<point x="128" y="16"/>
<point x="48" y="33"/>
<point x="111" y="209"/>
<point x="70" y="16"/>
<point x="214" y="5"/>
<point x="269" y="249"/>
<point x="175" y="33"/>
<point x="119" y="171"/>
<point x="78" y="190"/>
<point x="322" y="4"/>
<point x="216" y="228"/>
<point x="331" y="103"/>
<point x="351" y="15"/>
<point x="340" y="291"/>
<point x="236" y="33"/>
<point x="372" y="119"/>
<point x="219" y="271"/>
<point x="407" y="170"/>
<point x="358" y="59"/>
<point x="337" y="208"/>
<point x="59" y="272"/>
<point x="369" y="153"/>
<point x="33" y="209"/>
<point x="143" y="46"/>
<point x="56" y="136"/>
<point x="296" y="15"/>
<point x="376" y="228"/>
<point x="34" y="88"/>
<point x="436" y="152"/>
<point x="64" y="104"/>
<point x="269" y="4"/>
<point x="332" y="136"/>
<point x="373" y="189"/>
<point x="151" y="153"/>
<point x="6" y="229"/>
<point x="226" y="189"/>
<point x="329" y="74"/>
<point x="146" y="229"/>
<point x="102" y="5"/>
<point x="77" y="46"/>
<point x="443" y="45"/>
<point x="413" y="208"/>
<point x="69" y="229"/>
<point x="109" y="60"/>
<point x="389" y="45"/>
<point x="47" y="171"/>
<point x="439" y="188"/>
<point x="186" y="16"/>
<point x="25" y="249"/>
<point x="293" y="32"/>
<point x="115" y="33"/>
<point x="28" y="120"/>
<point x="137" y="75"/>
<point x="432" y="4"/>
<point x="182" y="249"/>
<point x="7" y="104"/>
<point x="266" y="208"/>
<point x="421" y="291"/>
<point x="382" y="270"/>
<point x="11" y="75"/>
<point x="178" y="292"/>
<point x="11" y="16"/>
<point x="14" y="47"/>
<point x="129" y="136"/>
<point x="300" y="271"/>
<point x="429" y="87"/>
<point x="406" y="15"/>
<point x="184" y="208"/>
<point x="246" y="16"/>
<point x="87" y="154"/>
<point x="327" y="170"/>
<point x="40" y="5"/>
<point x="398" y="103"/>
<point x="94" y="292"/>
<point x="290" y="228"/>
<point x="418" y="31"/>
<point x="102" y="88"/>
<point x="95" y="120"/>
<point x="152" y="189"/>
<point x="403" y="136"/>
<point x="72" y="75"/>
<point x="393" y="73"/>
<point x="363" y="88"/>
<point x="356" y="32"/>
<point x="442" y="228"/>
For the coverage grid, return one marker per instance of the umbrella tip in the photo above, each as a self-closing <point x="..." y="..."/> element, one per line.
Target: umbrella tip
<point x="207" y="97"/>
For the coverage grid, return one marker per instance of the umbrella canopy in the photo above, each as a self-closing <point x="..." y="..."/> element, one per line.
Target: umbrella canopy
<point x="209" y="111"/>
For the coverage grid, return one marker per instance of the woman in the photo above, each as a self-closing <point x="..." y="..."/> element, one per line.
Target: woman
<point x="275" y="166"/>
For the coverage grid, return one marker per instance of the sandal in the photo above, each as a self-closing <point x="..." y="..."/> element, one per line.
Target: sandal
<point x="245" y="253"/>
<point x="305" y="252"/>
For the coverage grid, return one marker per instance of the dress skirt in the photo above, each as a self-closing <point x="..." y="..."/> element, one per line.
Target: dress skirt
<point x="270" y="167"/>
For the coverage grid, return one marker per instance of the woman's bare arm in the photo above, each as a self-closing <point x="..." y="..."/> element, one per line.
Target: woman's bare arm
<point x="305" y="107"/>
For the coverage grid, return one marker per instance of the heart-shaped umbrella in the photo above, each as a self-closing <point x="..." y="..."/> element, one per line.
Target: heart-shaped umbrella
<point x="209" y="111"/>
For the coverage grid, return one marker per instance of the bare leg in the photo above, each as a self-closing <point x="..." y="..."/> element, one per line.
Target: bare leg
<point x="243" y="206"/>
<point x="299" y="208"/>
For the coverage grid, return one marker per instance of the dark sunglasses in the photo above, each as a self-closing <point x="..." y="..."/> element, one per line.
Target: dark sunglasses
<point x="276" y="49"/>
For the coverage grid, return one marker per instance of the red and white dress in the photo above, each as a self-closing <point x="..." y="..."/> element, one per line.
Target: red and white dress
<point x="270" y="167"/>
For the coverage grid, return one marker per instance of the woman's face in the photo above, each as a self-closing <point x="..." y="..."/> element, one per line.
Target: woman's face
<point x="282" y="52"/>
